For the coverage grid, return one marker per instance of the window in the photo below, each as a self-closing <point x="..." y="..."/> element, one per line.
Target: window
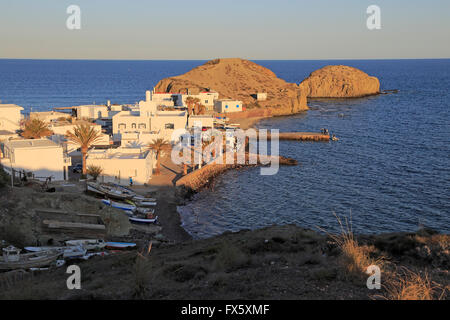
<point x="170" y="126"/>
<point x="122" y="126"/>
<point x="142" y="126"/>
<point x="133" y="126"/>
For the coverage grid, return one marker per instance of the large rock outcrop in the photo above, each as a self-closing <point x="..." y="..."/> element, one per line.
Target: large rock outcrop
<point x="339" y="82"/>
<point x="240" y="79"/>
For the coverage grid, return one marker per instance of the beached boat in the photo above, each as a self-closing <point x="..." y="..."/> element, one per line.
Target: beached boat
<point x="128" y="208"/>
<point x="136" y="219"/>
<point x="13" y="259"/>
<point x="119" y="205"/>
<point x="88" y="244"/>
<point x="143" y="199"/>
<point x="139" y="203"/>
<point x="71" y="252"/>
<point x="110" y="191"/>
<point x="120" y="245"/>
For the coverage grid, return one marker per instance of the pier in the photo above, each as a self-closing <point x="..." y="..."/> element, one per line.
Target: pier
<point x="302" y="136"/>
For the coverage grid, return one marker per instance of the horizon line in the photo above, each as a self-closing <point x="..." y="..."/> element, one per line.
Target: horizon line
<point x="159" y="59"/>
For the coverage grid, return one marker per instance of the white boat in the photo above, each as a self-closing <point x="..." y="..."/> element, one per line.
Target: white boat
<point x="88" y="244"/>
<point x="120" y="245"/>
<point x="143" y="220"/>
<point x="112" y="191"/>
<point x="71" y="252"/>
<point x="119" y="205"/>
<point x="143" y="199"/>
<point x="13" y="259"/>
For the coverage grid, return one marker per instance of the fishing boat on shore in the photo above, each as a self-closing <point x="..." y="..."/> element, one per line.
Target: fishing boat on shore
<point x="137" y="219"/>
<point x="112" y="191"/>
<point x="147" y="203"/>
<point x="71" y="252"/>
<point x="120" y="245"/>
<point x="13" y="259"/>
<point x="119" y="205"/>
<point x="128" y="208"/>
<point x="88" y="244"/>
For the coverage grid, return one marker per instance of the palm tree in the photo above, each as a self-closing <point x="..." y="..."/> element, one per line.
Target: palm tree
<point x="84" y="135"/>
<point x="35" y="129"/>
<point x="196" y="102"/>
<point x="158" y="145"/>
<point x="189" y="103"/>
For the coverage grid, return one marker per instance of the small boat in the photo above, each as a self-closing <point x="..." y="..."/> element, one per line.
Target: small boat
<point x="120" y="245"/>
<point x="128" y="208"/>
<point x="13" y="259"/>
<point x="71" y="252"/>
<point x="110" y="190"/>
<point x="88" y="244"/>
<point x="143" y="220"/>
<point x="142" y="203"/>
<point x="143" y="199"/>
<point x="119" y="205"/>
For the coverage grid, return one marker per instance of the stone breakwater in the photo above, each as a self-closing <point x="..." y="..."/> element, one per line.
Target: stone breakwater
<point x="200" y="178"/>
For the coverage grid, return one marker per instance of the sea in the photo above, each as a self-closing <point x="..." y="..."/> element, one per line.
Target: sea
<point x="389" y="171"/>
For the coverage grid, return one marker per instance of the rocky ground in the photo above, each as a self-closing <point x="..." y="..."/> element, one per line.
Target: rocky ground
<point x="279" y="262"/>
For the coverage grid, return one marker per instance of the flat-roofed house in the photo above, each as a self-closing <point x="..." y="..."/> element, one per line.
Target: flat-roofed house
<point x="121" y="164"/>
<point x="227" y="105"/>
<point x="42" y="157"/>
<point x="49" y="116"/>
<point x="201" y="121"/>
<point x="10" y="116"/>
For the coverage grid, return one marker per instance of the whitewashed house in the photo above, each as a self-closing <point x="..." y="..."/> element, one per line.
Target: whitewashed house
<point x="121" y="164"/>
<point x="227" y="105"/>
<point x="42" y="157"/>
<point x="10" y="117"/>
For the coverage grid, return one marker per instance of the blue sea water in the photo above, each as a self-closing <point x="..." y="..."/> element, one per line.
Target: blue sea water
<point x="390" y="170"/>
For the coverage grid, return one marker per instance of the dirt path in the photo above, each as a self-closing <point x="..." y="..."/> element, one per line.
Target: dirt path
<point x="164" y="185"/>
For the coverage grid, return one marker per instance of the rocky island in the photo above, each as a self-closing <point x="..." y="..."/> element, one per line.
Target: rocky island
<point x="339" y="82"/>
<point x="241" y="79"/>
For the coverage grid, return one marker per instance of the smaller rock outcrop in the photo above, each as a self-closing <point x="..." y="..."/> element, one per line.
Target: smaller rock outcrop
<point x="339" y="82"/>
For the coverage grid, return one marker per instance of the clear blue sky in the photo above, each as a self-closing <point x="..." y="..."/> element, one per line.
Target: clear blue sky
<point x="198" y="29"/>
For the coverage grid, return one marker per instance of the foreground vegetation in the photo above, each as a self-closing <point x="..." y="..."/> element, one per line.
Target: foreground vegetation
<point x="279" y="262"/>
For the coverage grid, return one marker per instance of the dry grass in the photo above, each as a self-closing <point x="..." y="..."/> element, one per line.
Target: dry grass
<point x="142" y="274"/>
<point x="356" y="257"/>
<point x="409" y="285"/>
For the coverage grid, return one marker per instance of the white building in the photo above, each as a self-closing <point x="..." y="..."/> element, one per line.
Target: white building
<point x="206" y="98"/>
<point x="121" y="164"/>
<point x="91" y="112"/>
<point x="201" y="121"/>
<point x="49" y="116"/>
<point x="227" y="105"/>
<point x="161" y="123"/>
<point x="60" y="131"/>
<point x="10" y="117"/>
<point x="261" y="96"/>
<point x="42" y="157"/>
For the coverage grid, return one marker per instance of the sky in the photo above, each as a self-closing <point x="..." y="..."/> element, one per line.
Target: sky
<point x="202" y="30"/>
